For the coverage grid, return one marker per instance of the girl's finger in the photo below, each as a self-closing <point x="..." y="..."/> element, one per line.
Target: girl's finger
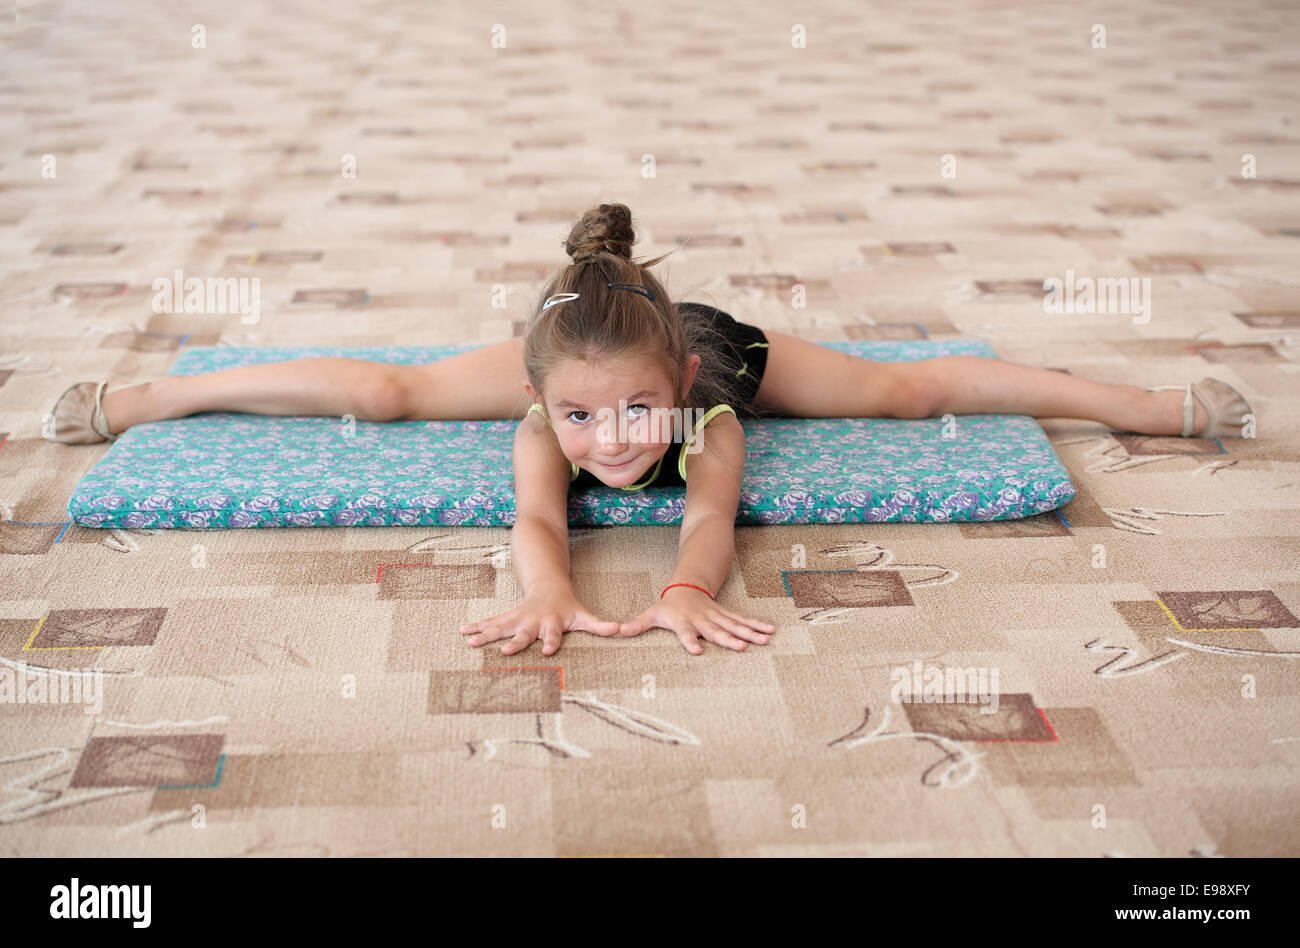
<point x="586" y="622"/>
<point x="720" y="636"/>
<point x="490" y="633"/>
<point x="690" y="640"/>
<point x="523" y="638"/>
<point x="482" y="625"/>
<point x="751" y="635"/>
<point x="739" y="629"/>
<point x="758" y="624"/>
<point x="638" y="625"/>
<point x="552" y="635"/>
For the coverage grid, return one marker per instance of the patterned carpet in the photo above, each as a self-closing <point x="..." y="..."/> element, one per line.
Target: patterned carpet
<point x="920" y="169"/>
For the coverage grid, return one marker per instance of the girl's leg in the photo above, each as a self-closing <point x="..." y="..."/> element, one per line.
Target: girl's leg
<point x="978" y="384"/>
<point x="483" y="384"/>
<point x="805" y="380"/>
<point x="371" y="391"/>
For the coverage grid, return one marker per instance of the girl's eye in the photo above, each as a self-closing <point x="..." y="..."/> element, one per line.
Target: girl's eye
<point x="580" y="412"/>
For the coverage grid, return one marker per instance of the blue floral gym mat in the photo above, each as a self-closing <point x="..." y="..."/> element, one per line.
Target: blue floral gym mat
<point x="222" y="469"/>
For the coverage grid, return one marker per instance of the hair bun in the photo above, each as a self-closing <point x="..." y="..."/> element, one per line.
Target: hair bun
<point x="603" y="229"/>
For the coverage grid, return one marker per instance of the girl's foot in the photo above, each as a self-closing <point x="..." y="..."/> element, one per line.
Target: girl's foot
<point x="78" y="415"/>
<point x="1211" y="408"/>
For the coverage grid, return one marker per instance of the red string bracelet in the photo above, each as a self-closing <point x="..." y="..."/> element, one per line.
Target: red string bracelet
<point x="692" y="585"/>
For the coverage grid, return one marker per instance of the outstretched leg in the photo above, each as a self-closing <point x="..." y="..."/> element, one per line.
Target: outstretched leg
<point x="978" y="384"/>
<point x="806" y="380"/>
<point x="370" y="391"/>
<point x="484" y="383"/>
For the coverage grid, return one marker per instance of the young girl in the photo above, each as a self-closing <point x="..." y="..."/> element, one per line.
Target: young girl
<point x="609" y="362"/>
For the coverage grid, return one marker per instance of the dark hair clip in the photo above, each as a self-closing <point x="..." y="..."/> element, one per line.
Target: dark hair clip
<point x="635" y="288"/>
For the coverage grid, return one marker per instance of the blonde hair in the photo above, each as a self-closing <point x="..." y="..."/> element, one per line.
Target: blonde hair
<point x="604" y="323"/>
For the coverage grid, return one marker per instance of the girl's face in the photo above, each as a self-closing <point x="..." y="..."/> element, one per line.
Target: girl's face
<point x="618" y="443"/>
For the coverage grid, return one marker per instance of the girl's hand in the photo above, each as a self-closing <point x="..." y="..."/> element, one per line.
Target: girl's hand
<point x="548" y="613"/>
<point x="691" y="613"/>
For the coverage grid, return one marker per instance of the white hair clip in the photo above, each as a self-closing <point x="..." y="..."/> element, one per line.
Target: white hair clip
<point x="558" y="298"/>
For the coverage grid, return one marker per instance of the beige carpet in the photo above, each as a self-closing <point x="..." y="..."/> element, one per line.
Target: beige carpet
<point x="305" y="691"/>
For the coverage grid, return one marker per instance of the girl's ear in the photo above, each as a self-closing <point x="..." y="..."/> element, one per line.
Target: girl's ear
<point x="692" y="366"/>
<point x="532" y="393"/>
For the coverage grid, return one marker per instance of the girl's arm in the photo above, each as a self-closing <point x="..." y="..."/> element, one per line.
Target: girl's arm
<point x="539" y="541"/>
<point x="539" y="546"/>
<point x="706" y="549"/>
